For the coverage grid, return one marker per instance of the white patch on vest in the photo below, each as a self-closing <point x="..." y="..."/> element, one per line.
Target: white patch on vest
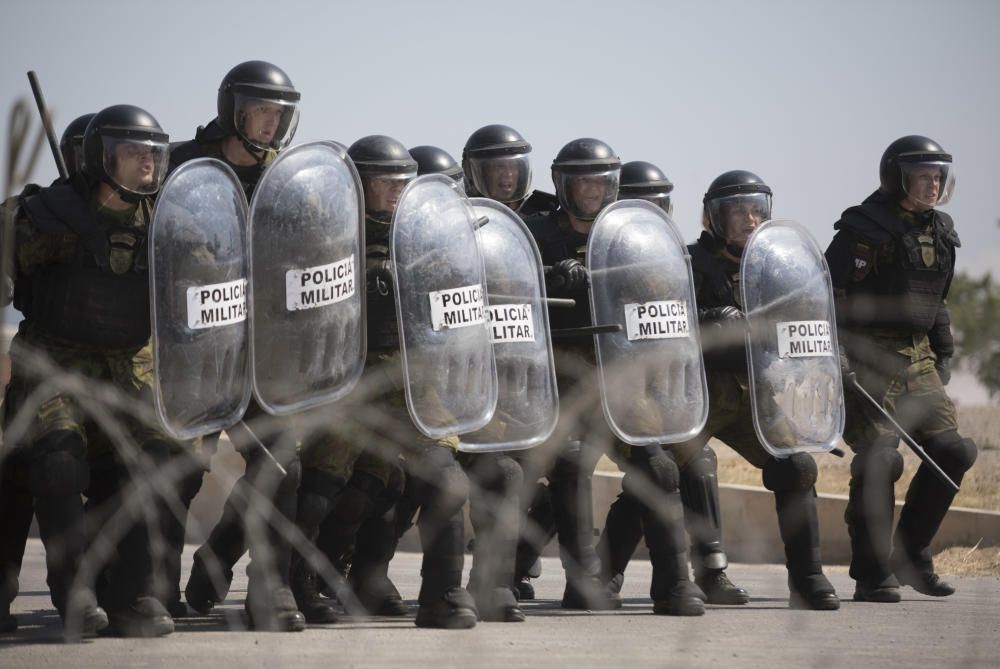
<point x="804" y="339"/>
<point x="319" y="286"/>
<point x="217" y="304"/>
<point x="457" y="307"/>
<point x="665" y="319"/>
<point x="511" y="323"/>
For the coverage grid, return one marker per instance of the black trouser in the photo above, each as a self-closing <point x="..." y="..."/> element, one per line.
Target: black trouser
<point x="495" y="482"/>
<point x="16" y="511"/>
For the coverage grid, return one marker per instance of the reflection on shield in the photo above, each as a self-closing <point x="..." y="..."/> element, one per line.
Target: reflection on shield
<point x="796" y="393"/>
<point x="307" y="322"/>
<point x="527" y="400"/>
<point x="652" y="375"/>
<point x="451" y="380"/>
<point x="198" y="270"/>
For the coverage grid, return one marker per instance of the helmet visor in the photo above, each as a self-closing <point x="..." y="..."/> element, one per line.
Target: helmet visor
<point x="382" y="193"/>
<point x="928" y="183"/>
<point x="735" y="217"/>
<point x="584" y="195"/>
<point x="660" y="198"/>
<point x="505" y="179"/>
<point x="265" y="123"/>
<point x="137" y="166"/>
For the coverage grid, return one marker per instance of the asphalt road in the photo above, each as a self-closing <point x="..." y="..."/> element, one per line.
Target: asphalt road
<point x="959" y="631"/>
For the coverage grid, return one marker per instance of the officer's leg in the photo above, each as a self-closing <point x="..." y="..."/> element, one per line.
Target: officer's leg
<point x="190" y="473"/>
<point x="699" y="484"/>
<point x="133" y="610"/>
<point x="15" y="522"/>
<point x="927" y="502"/>
<point x="375" y="546"/>
<point x="652" y="478"/>
<point x="538" y="528"/>
<point x="316" y="497"/>
<point x="874" y="470"/>
<point x="496" y="481"/>
<point x="58" y="475"/>
<point x="212" y="569"/>
<point x="792" y="480"/>
<point x="441" y="488"/>
<point x="619" y="539"/>
<point x="570" y="483"/>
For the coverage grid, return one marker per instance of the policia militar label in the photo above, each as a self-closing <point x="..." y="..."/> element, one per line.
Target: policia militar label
<point x="510" y="323"/>
<point x="804" y="339"/>
<point x="217" y="304"/>
<point x="457" y="307"/>
<point x="665" y="319"/>
<point x="319" y="286"/>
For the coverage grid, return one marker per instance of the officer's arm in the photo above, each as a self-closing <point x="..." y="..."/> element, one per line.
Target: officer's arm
<point x="941" y="340"/>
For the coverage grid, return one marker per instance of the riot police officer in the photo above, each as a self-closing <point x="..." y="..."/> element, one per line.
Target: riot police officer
<point x="585" y="174"/>
<point x="257" y="115"/>
<point x="698" y="481"/>
<point x="891" y="262"/>
<point x="734" y="205"/>
<point x="83" y="288"/>
<point x="497" y="164"/>
<point x="495" y="481"/>
<point x="15" y="493"/>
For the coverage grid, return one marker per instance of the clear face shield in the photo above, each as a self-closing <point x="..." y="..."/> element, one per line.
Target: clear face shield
<point x="659" y="198"/>
<point x="505" y="179"/>
<point x="928" y="183"/>
<point x="382" y="193"/>
<point x="735" y="217"/>
<point x="585" y="195"/>
<point x="266" y="124"/>
<point x="136" y="166"/>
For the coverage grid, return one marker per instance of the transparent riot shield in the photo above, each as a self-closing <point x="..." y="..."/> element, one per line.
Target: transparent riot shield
<point x="795" y="388"/>
<point x="441" y="304"/>
<point x="527" y="396"/>
<point x="651" y="372"/>
<point x="198" y="282"/>
<point x="307" y="321"/>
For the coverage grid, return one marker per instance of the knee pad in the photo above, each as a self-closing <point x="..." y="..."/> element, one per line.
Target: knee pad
<point x="880" y="460"/>
<point x="657" y="466"/>
<point x="511" y="475"/>
<point x="705" y="464"/>
<point x="318" y="482"/>
<point x="356" y="503"/>
<point x="951" y="452"/>
<point x="794" y="473"/>
<point x="59" y="465"/>
<point x="449" y="492"/>
<point x="292" y="478"/>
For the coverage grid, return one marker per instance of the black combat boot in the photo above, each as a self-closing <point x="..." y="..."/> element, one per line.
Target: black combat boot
<point x="206" y="586"/>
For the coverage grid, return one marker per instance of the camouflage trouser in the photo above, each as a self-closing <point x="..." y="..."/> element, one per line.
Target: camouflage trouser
<point x="369" y="429"/>
<point x="71" y="400"/>
<point x="729" y="419"/>
<point x="900" y="373"/>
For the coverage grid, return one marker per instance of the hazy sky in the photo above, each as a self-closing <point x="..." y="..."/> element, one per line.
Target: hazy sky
<point x="805" y="93"/>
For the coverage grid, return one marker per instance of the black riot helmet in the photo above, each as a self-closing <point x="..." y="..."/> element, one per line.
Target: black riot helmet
<point x="497" y="164"/>
<point x="736" y="198"/>
<point x="125" y="147"/>
<point x="645" y="181"/>
<point x="385" y="167"/>
<point x="259" y="104"/>
<point x="585" y="174"/>
<point x="435" y="160"/>
<point x="71" y="143"/>
<point x="917" y="167"/>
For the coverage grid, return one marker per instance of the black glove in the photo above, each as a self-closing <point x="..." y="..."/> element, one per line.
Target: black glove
<point x="378" y="278"/>
<point x="943" y="367"/>
<point x="719" y="314"/>
<point x="569" y="275"/>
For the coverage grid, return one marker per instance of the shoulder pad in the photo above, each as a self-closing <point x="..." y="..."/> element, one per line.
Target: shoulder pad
<point x="948" y="229"/>
<point x="182" y="152"/>
<point x="539" y="202"/>
<point x="57" y="209"/>
<point x="871" y="221"/>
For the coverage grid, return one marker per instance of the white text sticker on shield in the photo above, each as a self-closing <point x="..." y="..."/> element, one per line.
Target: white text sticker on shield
<point x="667" y="319"/>
<point x="457" y="307"/>
<point x="804" y="339"/>
<point x="318" y="286"/>
<point x="511" y="323"/>
<point x="217" y="304"/>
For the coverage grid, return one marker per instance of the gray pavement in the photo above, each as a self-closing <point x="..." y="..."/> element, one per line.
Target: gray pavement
<point x="959" y="631"/>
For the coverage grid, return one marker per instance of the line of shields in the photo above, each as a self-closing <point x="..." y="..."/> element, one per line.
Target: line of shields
<point x="268" y="301"/>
